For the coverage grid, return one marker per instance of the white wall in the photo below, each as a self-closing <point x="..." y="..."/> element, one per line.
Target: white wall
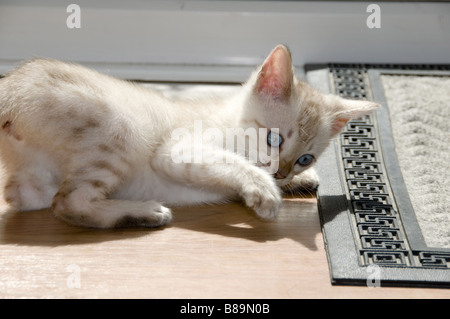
<point x="169" y="33"/>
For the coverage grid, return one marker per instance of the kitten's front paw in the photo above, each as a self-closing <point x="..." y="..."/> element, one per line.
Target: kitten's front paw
<point x="264" y="198"/>
<point x="306" y="181"/>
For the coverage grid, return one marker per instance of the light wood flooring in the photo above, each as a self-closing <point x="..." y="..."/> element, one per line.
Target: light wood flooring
<point x="221" y="251"/>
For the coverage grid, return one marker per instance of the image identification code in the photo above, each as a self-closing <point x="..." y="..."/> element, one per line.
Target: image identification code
<point x="227" y="308"/>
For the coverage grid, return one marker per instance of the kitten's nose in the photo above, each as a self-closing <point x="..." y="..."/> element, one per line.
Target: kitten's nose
<point x="279" y="175"/>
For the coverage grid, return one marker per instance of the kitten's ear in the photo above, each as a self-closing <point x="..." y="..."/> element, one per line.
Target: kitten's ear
<point x="276" y="75"/>
<point x="350" y="109"/>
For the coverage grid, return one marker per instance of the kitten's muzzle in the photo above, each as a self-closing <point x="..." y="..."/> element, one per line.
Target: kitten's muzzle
<point x="279" y="175"/>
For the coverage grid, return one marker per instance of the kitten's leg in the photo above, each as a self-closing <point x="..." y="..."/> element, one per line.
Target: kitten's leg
<point x="227" y="173"/>
<point x="24" y="193"/>
<point x="305" y="181"/>
<point x="32" y="182"/>
<point x="82" y="201"/>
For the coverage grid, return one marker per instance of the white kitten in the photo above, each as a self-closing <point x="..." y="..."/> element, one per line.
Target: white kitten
<point x="100" y="151"/>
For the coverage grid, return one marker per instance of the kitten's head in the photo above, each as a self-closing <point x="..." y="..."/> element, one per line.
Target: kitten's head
<point x="306" y="119"/>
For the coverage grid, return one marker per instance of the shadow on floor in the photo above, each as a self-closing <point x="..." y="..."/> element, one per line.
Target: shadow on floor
<point x="298" y="221"/>
<point x="41" y="228"/>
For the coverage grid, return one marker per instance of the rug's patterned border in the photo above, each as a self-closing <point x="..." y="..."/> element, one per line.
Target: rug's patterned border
<point x="374" y="207"/>
<point x="375" y="214"/>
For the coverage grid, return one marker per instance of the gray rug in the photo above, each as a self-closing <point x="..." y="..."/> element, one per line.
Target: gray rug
<point x="373" y="175"/>
<point x="419" y="108"/>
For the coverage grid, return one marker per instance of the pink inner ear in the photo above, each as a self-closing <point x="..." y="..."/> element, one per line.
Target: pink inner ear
<point x="275" y="77"/>
<point x="271" y="84"/>
<point x="338" y="125"/>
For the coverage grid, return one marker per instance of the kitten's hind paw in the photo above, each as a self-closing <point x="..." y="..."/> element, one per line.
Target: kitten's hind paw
<point x="159" y="216"/>
<point x="108" y="213"/>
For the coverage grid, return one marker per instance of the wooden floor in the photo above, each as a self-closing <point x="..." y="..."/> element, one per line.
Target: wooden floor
<point x="207" y="252"/>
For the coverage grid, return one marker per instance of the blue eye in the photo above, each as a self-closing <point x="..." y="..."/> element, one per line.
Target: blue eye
<point x="273" y="139"/>
<point x="305" y="160"/>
